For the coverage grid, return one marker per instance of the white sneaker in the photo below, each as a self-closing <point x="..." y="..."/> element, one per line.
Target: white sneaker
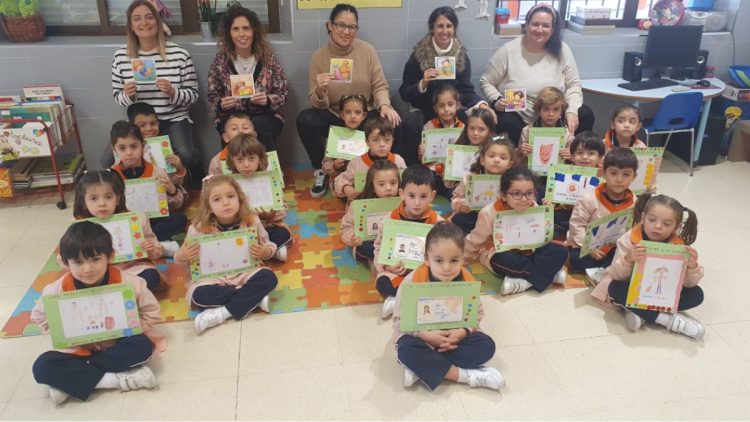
<point x="486" y="376"/>
<point x="169" y="248"/>
<point x="595" y="275"/>
<point x="320" y="185"/>
<point x="140" y="377"/>
<point x="561" y="277"/>
<point x="263" y="305"/>
<point x="388" y="305"/>
<point x="513" y="285"/>
<point x="281" y="253"/>
<point x="57" y="396"/>
<point x="683" y="324"/>
<point x="208" y="318"/>
<point x="633" y="321"/>
<point x="409" y="377"/>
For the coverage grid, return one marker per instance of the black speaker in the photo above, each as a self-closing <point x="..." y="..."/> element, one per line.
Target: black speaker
<point x="701" y="61"/>
<point x="632" y="66"/>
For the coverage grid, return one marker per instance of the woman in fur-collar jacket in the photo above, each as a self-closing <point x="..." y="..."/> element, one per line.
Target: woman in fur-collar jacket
<point x="420" y="77"/>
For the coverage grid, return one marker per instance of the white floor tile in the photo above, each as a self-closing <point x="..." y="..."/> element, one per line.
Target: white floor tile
<point x="359" y="330"/>
<point x="22" y="264"/>
<point x="736" y="334"/>
<point x="16" y="357"/>
<point x="101" y="405"/>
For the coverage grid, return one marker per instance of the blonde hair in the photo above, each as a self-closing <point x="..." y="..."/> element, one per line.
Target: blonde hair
<point x="133" y="43"/>
<point x="548" y="96"/>
<point x="206" y="221"/>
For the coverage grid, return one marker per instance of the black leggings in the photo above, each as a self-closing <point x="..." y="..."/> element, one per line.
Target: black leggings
<point x="690" y="297"/>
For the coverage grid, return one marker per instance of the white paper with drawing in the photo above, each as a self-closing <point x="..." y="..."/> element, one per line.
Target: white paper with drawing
<point x="409" y="247"/>
<point x="121" y="238"/>
<point x="661" y="277"/>
<point x="352" y="147"/>
<point x="374" y="221"/>
<point x="439" y="309"/>
<point x="258" y="190"/>
<point x="223" y="255"/>
<point x="142" y="197"/>
<point x="82" y="316"/>
<point x="522" y="229"/>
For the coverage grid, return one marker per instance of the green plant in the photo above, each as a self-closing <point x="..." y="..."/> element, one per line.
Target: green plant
<point x="206" y="10"/>
<point x="28" y="7"/>
<point x="9" y="8"/>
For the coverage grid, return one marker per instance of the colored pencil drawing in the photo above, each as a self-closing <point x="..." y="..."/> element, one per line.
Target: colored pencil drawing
<point x="431" y="310"/>
<point x="341" y="70"/>
<point x="144" y="70"/>
<point x="446" y="67"/>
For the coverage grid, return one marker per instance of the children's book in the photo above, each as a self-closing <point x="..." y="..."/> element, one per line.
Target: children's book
<point x="649" y="163"/>
<point x="345" y="144"/>
<point x="342" y="70"/>
<point x="92" y="315"/>
<point x="481" y="190"/>
<point x="403" y="241"/>
<point x="127" y="235"/>
<point x="223" y="254"/>
<point x="370" y="213"/>
<point x="565" y="184"/>
<point x="263" y="190"/>
<point x="528" y="230"/>
<point x="158" y="149"/>
<point x="51" y="92"/>
<point x="657" y="280"/>
<point x="148" y="196"/>
<point x="606" y="230"/>
<point x="144" y="71"/>
<point x="446" y="67"/>
<point x="436" y="143"/>
<point x="242" y="86"/>
<point x="546" y="143"/>
<point x="515" y="99"/>
<point x="439" y="306"/>
<point x="458" y="161"/>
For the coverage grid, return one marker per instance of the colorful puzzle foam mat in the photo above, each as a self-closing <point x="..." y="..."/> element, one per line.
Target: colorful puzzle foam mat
<point x="320" y="271"/>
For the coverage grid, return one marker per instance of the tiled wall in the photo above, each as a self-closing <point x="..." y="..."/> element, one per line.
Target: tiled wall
<point x="82" y="65"/>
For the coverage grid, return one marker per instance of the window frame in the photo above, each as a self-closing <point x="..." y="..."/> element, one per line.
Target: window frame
<point x="629" y="12"/>
<point x="190" y="22"/>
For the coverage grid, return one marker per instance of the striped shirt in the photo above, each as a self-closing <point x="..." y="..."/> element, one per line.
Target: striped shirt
<point x="177" y="69"/>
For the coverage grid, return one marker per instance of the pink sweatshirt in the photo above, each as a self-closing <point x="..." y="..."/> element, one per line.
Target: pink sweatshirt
<point x="360" y="165"/>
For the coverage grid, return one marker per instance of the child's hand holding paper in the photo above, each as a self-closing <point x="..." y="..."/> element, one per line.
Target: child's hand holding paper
<point x="260" y="252"/>
<point x="130" y="89"/>
<point x="259" y="98"/>
<point x="598" y="254"/>
<point x="637" y="254"/>
<point x="174" y="160"/>
<point x="152" y="248"/>
<point x="693" y="260"/>
<point x="188" y="252"/>
<point x="399" y="269"/>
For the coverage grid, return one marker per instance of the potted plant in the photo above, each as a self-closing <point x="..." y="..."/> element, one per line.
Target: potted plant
<point x="21" y="20"/>
<point x="207" y="14"/>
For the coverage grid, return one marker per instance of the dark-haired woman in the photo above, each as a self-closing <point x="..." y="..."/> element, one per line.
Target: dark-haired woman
<point x="537" y="60"/>
<point x="420" y="78"/>
<point x="363" y="76"/>
<point x="244" y="50"/>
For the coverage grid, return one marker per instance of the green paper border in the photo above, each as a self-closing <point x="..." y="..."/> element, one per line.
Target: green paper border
<point x="335" y="134"/>
<point x="136" y="234"/>
<point x="412" y="292"/>
<point x="363" y="207"/>
<point x="547" y="210"/>
<point x="161" y="193"/>
<point x="165" y="150"/>
<point x="431" y="132"/>
<point x="250" y="235"/>
<point x="586" y="248"/>
<point x="549" y="192"/>
<point x="643" y="154"/>
<point x="554" y="132"/>
<point x="470" y="187"/>
<point x="276" y="189"/>
<point x="449" y="160"/>
<point x="393" y="227"/>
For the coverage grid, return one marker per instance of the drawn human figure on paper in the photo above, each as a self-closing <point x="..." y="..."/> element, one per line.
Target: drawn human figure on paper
<point x="660" y="275"/>
<point x="545" y="153"/>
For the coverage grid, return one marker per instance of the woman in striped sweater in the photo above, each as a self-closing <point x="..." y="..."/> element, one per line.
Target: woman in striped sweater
<point x="176" y="86"/>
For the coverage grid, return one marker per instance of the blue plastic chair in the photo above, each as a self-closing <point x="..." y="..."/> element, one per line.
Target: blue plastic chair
<point x="677" y="113"/>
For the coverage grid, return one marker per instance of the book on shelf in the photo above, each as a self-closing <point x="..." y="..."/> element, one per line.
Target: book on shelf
<point x="38" y="172"/>
<point x="591" y="30"/>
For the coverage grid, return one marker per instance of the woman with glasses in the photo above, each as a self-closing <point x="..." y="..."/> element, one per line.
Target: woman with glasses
<point x="244" y="50"/>
<point x="535" y="61"/>
<point x="344" y="66"/>
<point x="420" y="81"/>
<point x="167" y="81"/>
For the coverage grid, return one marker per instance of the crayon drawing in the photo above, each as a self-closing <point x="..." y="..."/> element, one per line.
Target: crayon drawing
<point x="122" y="239"/>
<point x="439" y="309"/>
<point x="224" y="255"/>
<point x="661" y="281"/>
<point x="93" y="314"/>
<point x="351" y="147"/>
<point x="523" y="229"/>
<point x="341" y="70"/>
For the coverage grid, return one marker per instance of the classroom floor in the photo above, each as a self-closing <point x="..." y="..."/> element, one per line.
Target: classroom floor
<point x="562" y="357"/>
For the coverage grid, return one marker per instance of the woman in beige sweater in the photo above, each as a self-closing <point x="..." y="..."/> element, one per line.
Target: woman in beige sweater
<point x="363" y="75"/>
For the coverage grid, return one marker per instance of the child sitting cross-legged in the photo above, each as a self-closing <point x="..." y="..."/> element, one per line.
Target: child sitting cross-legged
<point x="86" y="251"/>
<point x="435" y="355"/>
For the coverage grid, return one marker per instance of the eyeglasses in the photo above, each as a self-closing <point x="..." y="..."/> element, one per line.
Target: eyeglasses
<point x="341" y="27"/>
<point x="518" y="195"/>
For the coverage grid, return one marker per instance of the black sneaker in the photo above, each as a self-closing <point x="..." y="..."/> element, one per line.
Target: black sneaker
<point x="320" y="186"/>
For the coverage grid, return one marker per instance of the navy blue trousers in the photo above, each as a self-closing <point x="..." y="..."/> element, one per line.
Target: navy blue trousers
<point x="539" y="269"/>
<point x="365" y="253"/>
<point x="466" y="222"/>
<point x="166" y="227"/>
<point x="579" y="264"/>
<point x="239" y="302"/>
<point x="152" y="278"/>
<point x="78" y="375"/>
<point x="690" y="297"/>
<point x="431" y="366"/>
<point x="279" y="235"/>
<point x="562" y="222"/>
<point x="384" y="286"/>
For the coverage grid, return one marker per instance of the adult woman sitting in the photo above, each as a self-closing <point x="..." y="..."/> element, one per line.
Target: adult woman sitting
<point x="420" y="78"/>
<point x="365" y="76"/>
<point x="175" y="88"/>
<point x="537" y="60"/>
<point x="244" y="50"/>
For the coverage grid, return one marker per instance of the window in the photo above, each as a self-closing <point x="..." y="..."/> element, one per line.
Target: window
<point x="107" y="17"/>
<point x="625" y="12"/>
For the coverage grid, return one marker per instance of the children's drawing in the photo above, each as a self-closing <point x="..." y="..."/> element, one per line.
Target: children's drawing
<point x="482" y="190"/>
<point x="409" y="247"/>
<point x="147" y="196"/>
<point x="515" y="99"/>
<point x="566" y="184"/>
<point x="657" y="281"/>
<point x="528" y="230"/>
<point x="242" y="86"/>
<point x="446" y="67"/>
<point x="545" y="148"/>
<point x="144" y="70"/>
<point x="262" y="190"/>
<point x="649" y="163"/>
<point x="341" y="70"/>
<point x="458" y="161"/>
<point x="439" y="309"/>
<point x="224" y="255"/>
<point x="157" y="150"/>
<point x="606" y="230"/>
<point x="374" y="220"/>
<point x="93" y="315"/>
<point x="127" y="234"/>
<point x="351" y="147"/>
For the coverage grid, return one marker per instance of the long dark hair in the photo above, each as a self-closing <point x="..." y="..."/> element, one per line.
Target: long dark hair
<point x="487" y="118"/>
<point x="340" y="8"/>
<point x="502" y="140"/>
<point x="446" y="11"/>
<point x="98" y="177"/>
<point x="554" y="44"/>
<point x="379" y="165"/>
<point x="260" y="47"/>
